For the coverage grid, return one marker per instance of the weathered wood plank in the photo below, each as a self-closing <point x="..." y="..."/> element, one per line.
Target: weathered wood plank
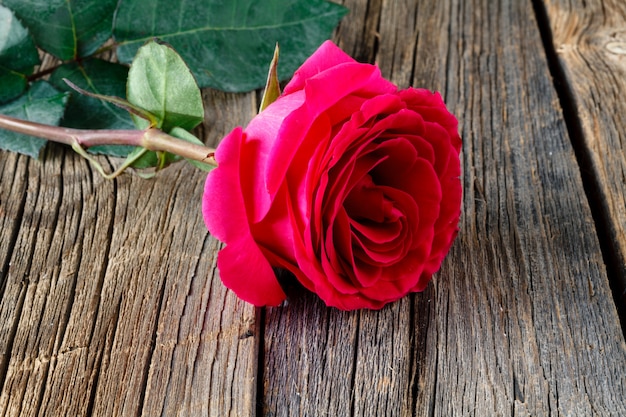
<point x="589" y="38"/>
<point x="327" y="362"/>
<point x="527" y="287"/>
<point x="357" y="33"/>
<point x="213" y="350"/>
<point x="12" y="200"/>
<point x="520" y="320"/>
<point x="551" y="247"/>
<point x="40" y="278"/>
<point x="110" y="302"/>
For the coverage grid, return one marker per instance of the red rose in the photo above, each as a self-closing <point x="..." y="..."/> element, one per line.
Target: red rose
<point x="345" y="181"/>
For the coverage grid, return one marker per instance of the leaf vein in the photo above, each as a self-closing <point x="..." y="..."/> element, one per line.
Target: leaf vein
<point x="230" y="28"/>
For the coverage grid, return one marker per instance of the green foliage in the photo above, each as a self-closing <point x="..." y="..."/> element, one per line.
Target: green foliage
<point x="84" y="112"/>
<point x="226" y="45"/>
<point x="18" y="56"/>
<point x="160" y="83"/>
<point x="99" y="77"/>
<point x="42" y="103"/>
<point x="66" y="29"/>
<point x="144" y="159"/>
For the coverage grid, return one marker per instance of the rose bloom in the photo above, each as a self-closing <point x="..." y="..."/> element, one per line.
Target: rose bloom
<point x="346" y="181"/>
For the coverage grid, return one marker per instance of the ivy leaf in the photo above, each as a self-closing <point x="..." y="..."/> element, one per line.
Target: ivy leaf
<point x="18" y="56"/>
<point x="160" y="83"/>
<point x="227" y="43"/>
<point x="42" y="104"/>
<point x="66" y="28"/>
<point x="83" y="112"/>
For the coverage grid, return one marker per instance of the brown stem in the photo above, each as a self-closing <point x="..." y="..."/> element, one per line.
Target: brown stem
<point x="152" y="139"/>
<point x="43" y="73"/>
<point x="157" y="140"/>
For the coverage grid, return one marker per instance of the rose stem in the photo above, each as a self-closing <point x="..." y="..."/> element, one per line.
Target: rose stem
<point x="151" y="138"/>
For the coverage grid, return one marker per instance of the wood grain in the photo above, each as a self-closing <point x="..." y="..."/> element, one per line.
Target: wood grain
<point x="589" y="38"/>
<point x="111" y="304"/>
<point x="527" y="285"/>
<point x="511" y="324"/>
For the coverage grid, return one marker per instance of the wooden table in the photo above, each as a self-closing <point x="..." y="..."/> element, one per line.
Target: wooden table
<point x="111" y="304"/>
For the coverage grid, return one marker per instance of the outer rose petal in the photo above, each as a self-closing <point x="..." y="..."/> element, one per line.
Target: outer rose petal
<point x="263" y="130"/>
<point x="328" y="55"/>
<point x="243" y="268"/>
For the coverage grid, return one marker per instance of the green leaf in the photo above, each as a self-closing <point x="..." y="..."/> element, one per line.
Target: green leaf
<point x="66" y="28"/>
<point x="83" y="112"/>
<point x="18" y="56"/>
<point x="98" y="77"/>
<point x="42" y="104"/>
<point x="151" y="159"/>
<point x="160" y="83"/>
<point x="116" y="101"/>
<point x="228" y="43"/>
<point x="184" y="135"/>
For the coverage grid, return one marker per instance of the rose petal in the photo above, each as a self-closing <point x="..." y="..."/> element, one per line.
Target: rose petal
<point x="337" y="264"/>
<point x="431" y="107"/>
<point x="378" y="235"/>
<point x="328" y="55"/>
<point x="243" y="268"/>
<point x="274" y="233"/>
<point x="261" y="134"/>
<point x="322" y="92"/>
